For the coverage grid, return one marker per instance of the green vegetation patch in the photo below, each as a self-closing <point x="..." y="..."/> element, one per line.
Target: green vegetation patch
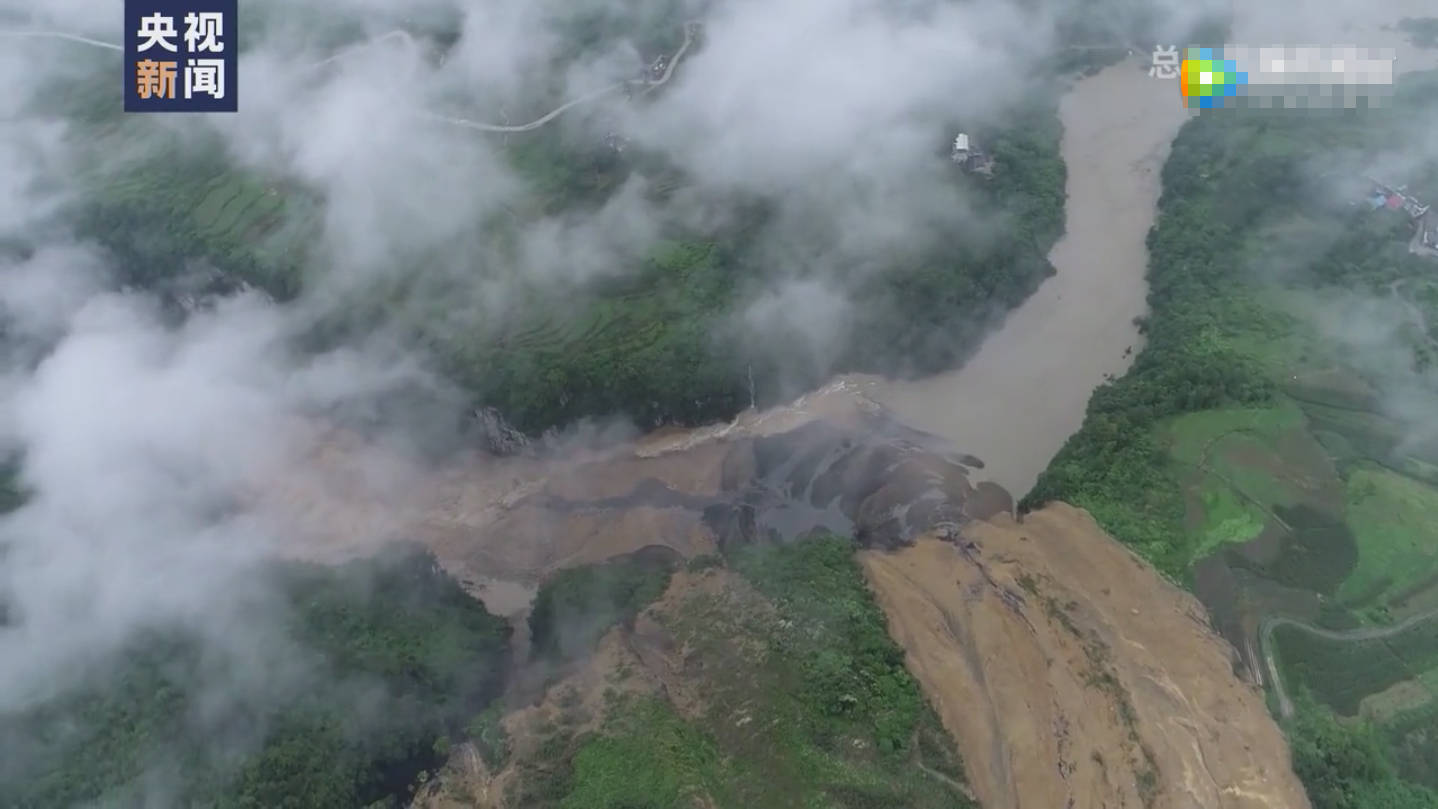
<point x="793" y="695"/>
<point x="658" y="339"/>
<point x="1395" y="521"/>
<point x="576" y="606"/>
<point x="1247" y="462"/>
<point x="1317" y="551"/>
<point x="1349" y="765"/>
<point x="1413" y="737"/>
<point x="158" y="215"/>
<point x="1228" y="518"/>
<point x="831" y="710"/>
<point x="660" y="345"/>
<point x="1340" y="673"/>
<point x="852" y="668"/>
<point x="1192" y="436"/>
<point x="650" y="758"/>
<point x="402" y="657"/>
<point x="1261" y="474"/>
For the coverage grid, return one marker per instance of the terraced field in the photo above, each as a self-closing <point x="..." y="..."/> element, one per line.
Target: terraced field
<point x="160" y="214"/>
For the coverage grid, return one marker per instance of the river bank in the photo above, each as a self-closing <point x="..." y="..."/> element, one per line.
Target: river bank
<point x="1026" y="389"/>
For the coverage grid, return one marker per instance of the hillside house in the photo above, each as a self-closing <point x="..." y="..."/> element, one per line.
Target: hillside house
<point x="971" y="158"/>
<point x="1398" y="199"/>
<point x="961" y="148"/>
<point x="1422" y="216"/>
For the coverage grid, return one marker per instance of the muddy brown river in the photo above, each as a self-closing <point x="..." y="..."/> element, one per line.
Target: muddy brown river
<point x="1025" y="391"/>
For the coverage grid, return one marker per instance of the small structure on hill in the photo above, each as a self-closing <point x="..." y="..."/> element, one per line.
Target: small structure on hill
<point x="1397" y="198"/>
<point x="1422" y="216"/>
<point x="961" y="148"/>
<point x="970" y="157"/>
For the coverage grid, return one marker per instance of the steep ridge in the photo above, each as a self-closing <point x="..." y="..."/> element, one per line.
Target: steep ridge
<point x="1073" y="675"/>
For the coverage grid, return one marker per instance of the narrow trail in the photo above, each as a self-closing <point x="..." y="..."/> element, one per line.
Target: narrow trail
<point x="1202" y="466"/>
<point x="648" y="85"/>
<point x="1265" y="641"/>
<point x="61" y="35"/>
<point x="961" y="788"/>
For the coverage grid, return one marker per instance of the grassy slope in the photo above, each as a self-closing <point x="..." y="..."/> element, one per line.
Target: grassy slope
<point x="1395" y="519"/>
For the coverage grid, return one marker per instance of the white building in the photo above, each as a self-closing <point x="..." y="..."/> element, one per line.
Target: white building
<point x="961" y="148"/>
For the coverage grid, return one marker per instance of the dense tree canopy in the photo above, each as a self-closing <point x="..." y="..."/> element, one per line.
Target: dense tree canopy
<point x="401" y="658"/>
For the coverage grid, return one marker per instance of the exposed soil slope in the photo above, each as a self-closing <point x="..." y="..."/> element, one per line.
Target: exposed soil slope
<point x="1072" y="675"/>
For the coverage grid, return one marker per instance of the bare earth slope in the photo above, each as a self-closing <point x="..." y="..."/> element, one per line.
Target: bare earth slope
<point x="1072" y="675"/>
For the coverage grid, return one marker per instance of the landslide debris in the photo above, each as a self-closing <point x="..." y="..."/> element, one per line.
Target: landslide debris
<point x="1069" y="673"/>
<point x="1073" y="675"/>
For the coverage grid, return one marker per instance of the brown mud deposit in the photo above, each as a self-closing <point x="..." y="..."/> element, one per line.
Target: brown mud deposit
<point x="1072" y="675"/>
<point x="832" y="461"/>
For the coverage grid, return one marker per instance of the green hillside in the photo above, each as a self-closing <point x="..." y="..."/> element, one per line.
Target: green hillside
<point x="388" y="658"/>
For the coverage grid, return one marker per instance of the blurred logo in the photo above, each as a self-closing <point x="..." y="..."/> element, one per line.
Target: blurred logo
<point x="1206" y="81"/>
<point x="180" y="56"/>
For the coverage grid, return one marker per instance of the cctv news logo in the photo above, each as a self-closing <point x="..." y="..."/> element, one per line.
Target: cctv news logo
<point x="180" y="56"/>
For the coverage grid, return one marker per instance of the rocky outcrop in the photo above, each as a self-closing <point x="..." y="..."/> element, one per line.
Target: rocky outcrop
<point x="496" y="435"/>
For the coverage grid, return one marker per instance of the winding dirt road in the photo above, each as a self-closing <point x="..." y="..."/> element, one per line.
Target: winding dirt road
<point x="1265" y="634"/>
<point x="61" y="35"/>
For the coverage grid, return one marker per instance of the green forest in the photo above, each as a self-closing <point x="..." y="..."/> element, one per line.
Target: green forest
<point x="652" y="339"/>
<point x="401" y="660"/>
